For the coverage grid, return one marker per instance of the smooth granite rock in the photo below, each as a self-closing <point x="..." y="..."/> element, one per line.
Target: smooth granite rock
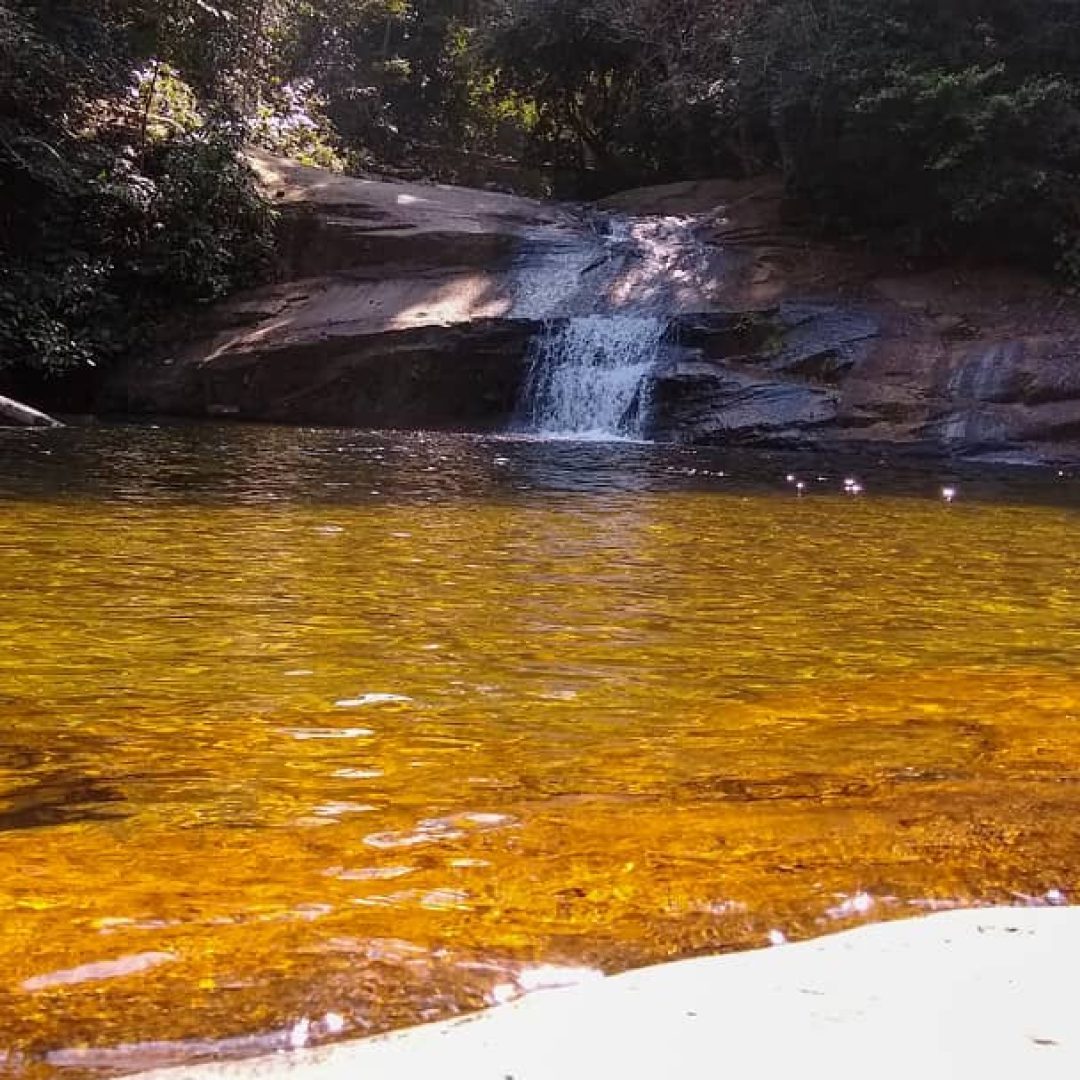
<point x="955" y="996"/>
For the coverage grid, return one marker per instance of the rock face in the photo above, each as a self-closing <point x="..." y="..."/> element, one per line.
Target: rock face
<point x="767" y="377"/>
<point x="860" y="348"/>
<point x="461" y="377"/>
<point x="414" y="305"/>
<point x="406" y="305"/>
<point x="394" y="310"/>
<point x="1017" y="391"/>
<point x="828" y="374"/>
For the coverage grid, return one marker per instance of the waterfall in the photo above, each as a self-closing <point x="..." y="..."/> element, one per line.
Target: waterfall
<point x="604" y="293"/>
<point x="588" y="376"/>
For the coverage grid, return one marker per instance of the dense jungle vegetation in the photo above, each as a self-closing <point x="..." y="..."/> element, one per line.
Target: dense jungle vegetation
<point x="940" y="125"/>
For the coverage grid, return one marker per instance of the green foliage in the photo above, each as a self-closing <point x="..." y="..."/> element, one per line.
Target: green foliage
<point x="944" y="124"/>
<point x="125" y="241"/>
<point x="291" y="120"/>
<point x="203" y="230"/>
<point x="584" y="73"/>
<point x="625" y="91"/>
<point x="397" y="79"/>
<point x="941" y="125"/>
<point x="120" y="199"/>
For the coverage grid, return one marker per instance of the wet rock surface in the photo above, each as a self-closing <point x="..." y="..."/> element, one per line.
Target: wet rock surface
<point x="705" y="403"/>
<point x="767" y="377"/>
<point x="998" y="393"/>
<point x="411" y="305"/>
<point x="828" y="374"/>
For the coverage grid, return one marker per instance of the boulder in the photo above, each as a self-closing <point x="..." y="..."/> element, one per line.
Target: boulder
<point x="769" y="377"/>
<point x="846" y="373"/>
<point x="394" y="308"/>
<point x="702" y="402"/>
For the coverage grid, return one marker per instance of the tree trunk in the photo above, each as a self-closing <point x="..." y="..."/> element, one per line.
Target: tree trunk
<point x="15" y="414"/>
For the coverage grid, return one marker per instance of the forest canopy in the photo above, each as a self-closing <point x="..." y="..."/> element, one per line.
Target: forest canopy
<point x="939" y="126"/>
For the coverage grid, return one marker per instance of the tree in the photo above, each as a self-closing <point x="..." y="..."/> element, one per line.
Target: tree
<point x="104" y="218"/>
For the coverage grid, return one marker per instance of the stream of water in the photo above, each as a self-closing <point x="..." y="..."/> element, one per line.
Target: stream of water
<point x="608" y="294"/>
<point x="316" y="733"/>
<point x="589" y="377"/>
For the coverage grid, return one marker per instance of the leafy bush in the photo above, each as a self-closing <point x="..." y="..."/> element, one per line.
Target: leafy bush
<point x="120" y="199"/>
<point x="291" y="120"/>
<point x="942" y="125"/>
<point x="205" y="230"/>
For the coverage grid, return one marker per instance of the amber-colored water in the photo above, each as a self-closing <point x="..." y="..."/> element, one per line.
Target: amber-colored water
<point x="632" y="709"/>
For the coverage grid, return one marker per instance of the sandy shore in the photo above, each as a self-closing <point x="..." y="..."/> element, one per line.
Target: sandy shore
<point x="979" y="994"/>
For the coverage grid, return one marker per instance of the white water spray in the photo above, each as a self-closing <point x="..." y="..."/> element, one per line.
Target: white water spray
<point x="607" y="298"/>
<point x="588" y="376"/>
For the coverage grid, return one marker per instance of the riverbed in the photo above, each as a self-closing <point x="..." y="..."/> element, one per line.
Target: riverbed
<point x="316" y="733"/>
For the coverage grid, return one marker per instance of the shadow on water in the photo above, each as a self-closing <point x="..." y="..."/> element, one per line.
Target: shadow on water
<point x="62" y="799"/>
<point x="63" y="789"/>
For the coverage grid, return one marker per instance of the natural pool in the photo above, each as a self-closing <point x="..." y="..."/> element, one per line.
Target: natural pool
<point x="360" y="729"/>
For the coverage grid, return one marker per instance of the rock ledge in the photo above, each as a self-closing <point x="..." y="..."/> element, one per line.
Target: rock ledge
<point x="962" y="994"/>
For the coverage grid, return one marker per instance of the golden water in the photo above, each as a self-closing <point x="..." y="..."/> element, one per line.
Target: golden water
<point x="631" y="713"/>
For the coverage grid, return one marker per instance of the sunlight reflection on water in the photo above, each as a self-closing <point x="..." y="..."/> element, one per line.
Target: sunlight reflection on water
<point x="376" y="757"/>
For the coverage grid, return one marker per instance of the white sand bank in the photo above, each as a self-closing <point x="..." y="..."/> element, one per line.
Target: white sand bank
<point x="968" y="994"/>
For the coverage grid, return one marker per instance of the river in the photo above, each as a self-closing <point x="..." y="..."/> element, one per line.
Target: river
<point x="308" y="733"/>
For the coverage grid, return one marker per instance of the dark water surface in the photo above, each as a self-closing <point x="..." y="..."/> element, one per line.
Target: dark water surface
<point x="306" y="733"/>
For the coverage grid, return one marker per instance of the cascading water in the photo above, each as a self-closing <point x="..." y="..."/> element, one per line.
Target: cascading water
<point x="606" y="296"/>
<point x="588" y="376"/>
